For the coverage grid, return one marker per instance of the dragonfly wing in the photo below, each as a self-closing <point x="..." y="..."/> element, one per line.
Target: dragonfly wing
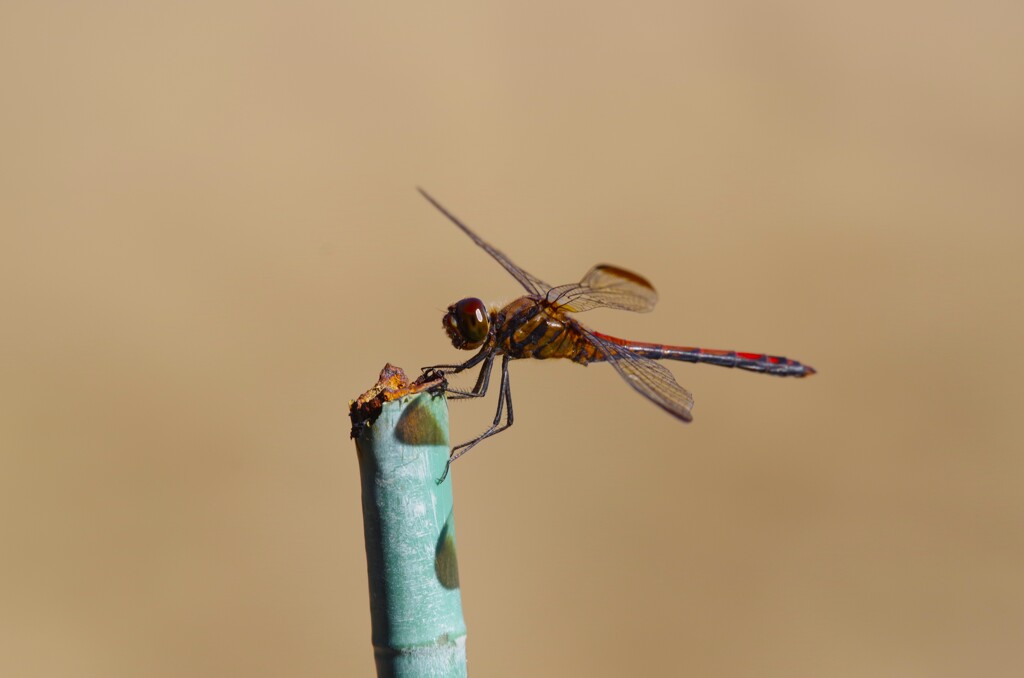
<point x="533" y="285"/>
<point x="649" y="378"/>
<point x="606" y="286"/>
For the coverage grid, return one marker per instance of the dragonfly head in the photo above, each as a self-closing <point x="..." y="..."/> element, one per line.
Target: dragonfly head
<point x="467" y="323"/>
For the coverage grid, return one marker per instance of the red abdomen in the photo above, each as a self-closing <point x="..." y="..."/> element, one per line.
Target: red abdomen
<point x="755" y="362"/>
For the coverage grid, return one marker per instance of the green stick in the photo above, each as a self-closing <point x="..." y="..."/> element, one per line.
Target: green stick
<point x="415" y="603"/>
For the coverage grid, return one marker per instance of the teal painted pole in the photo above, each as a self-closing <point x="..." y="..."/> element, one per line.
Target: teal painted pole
<point x="401" y="433"/>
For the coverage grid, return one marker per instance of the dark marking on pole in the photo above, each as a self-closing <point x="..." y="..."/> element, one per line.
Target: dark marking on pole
<point x="446" y="565"/>
<point x="419" y="426"/>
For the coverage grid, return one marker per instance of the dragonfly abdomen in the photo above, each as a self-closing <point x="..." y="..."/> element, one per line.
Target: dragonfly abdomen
<point x="754" y="362"/>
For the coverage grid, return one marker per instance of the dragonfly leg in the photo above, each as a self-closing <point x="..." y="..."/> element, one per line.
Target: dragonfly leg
<point x="455" y="369"/>
<point x="482" y="381"/>
<point x="504" y="399"/>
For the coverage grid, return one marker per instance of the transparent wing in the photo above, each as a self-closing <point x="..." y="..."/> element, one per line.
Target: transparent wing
<point x="606" y="286"/>
<point x="650" y="379"/>
<point x="533" y="285"/>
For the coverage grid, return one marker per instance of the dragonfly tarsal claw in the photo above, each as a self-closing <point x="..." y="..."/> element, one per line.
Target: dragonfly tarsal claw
<point x="444" y="475"/>
<point x="431" y="373"/>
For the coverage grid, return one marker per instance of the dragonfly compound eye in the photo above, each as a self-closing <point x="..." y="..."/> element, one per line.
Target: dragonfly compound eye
<point x="471" y="321"/>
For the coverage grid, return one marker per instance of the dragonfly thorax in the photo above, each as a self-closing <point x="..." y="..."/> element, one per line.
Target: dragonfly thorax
<point x="467" y="323"/>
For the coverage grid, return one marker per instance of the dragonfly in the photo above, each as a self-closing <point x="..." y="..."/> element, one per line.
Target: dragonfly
<point x="538" y="325"/>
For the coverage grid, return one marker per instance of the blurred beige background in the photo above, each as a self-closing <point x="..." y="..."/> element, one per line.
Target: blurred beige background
<point x="210" y="241"/>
